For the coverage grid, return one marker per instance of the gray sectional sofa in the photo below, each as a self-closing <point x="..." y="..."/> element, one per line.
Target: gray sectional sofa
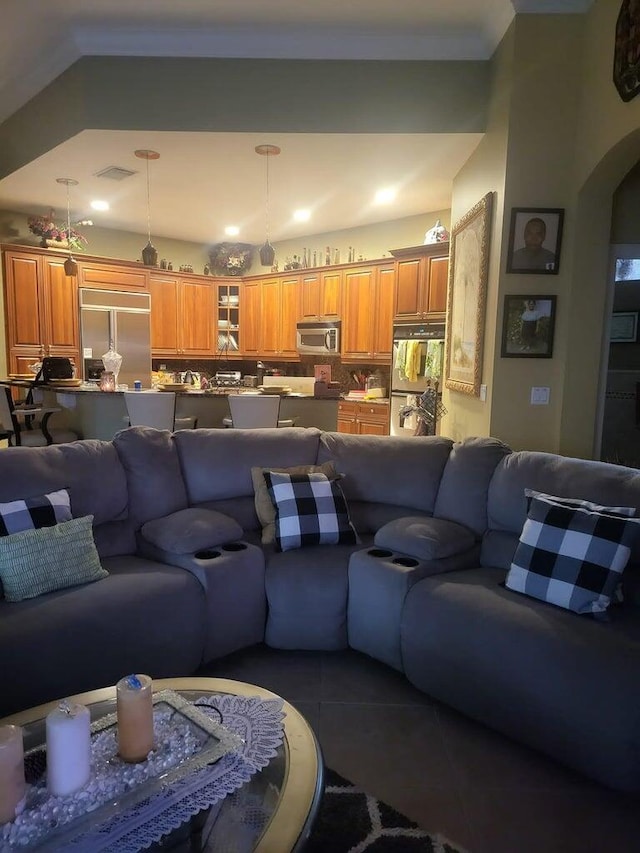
<point x="189" y="579"/>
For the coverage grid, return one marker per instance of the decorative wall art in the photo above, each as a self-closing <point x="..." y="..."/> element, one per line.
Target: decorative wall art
<point x="527" y="326"/>
<point x="468" y="272"/>
<point x="230" y="258"/>
<point x="624" y="327"/>
<point x="626" y="56"/>
<point x="534" y="240"/>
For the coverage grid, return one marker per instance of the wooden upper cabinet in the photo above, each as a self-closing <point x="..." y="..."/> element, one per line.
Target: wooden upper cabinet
<point x="383" y="318"/>
<point x="279" y="313"/>
<point x="421" y="281"/>
<point x="182" y="316"/>
<point x="250" y="317"/>
<point x="42" y="315"/>
<point x="197" y="318"/>
<point x="357" y="331"/>
<point x="320" y="295"/>
<point x="164" y="314"/>
<point x="113" y="276"/>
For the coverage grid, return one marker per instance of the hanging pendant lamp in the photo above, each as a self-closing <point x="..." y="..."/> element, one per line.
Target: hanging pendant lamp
<point x="149" y="253"/>
<point x="267" y="252"/>
<point x="70" y="265"/>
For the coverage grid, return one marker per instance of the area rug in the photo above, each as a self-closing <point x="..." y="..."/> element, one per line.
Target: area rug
<point x="352" y="821"/>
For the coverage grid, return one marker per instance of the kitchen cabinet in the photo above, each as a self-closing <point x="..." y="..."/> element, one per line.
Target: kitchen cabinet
<point x="363" y="418"/>
<point x="367" y="329"/>
<point x="320" y="295"/>
<point x="182" y="316"/>
<point x="271" y="313"/>
<point x="421" y="282"/>
<point x="113" y="276"/>
<point x="227" y="332"/>
<point x="41" y="305"/>
<point x="250" y="313"/>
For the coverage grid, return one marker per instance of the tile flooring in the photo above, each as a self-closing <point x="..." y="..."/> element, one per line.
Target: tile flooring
<point x="449" y="774"/>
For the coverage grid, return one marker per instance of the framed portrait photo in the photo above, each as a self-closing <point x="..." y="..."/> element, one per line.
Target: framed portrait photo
<point x="624" y="327"/>
<point x="535" y="239"/>
<point x="527" y="326"/>
<point x="468" y="272"/>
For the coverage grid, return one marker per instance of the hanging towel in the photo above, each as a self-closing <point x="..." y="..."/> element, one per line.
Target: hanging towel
<point x="433" y="361"/>
<point x="415" y="353"/>
<point x="401" y="357"/>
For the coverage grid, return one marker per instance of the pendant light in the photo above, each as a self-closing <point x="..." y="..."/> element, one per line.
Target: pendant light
<point x="149" y="253"/>
<point x="267" y="252"/>
<point x="70" y="265"/>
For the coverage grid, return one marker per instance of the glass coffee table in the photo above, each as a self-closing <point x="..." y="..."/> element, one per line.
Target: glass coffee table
<point x="287" y="791"/>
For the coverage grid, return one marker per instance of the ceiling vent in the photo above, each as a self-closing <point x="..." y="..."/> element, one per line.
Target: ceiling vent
<point x="115" y="173"/>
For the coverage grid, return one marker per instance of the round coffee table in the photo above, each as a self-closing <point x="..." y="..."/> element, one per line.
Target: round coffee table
<point x="289" y="788"/>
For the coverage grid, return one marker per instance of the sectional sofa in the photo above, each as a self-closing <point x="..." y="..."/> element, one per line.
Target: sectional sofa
<point x="189" y="578"/>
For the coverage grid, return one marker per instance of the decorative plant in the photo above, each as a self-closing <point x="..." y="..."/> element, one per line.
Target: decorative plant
<point x="45" y="228"/>
<point x="230" y="258"/>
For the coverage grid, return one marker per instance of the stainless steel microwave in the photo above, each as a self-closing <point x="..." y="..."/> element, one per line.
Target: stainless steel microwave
<point x="321" y="338"/>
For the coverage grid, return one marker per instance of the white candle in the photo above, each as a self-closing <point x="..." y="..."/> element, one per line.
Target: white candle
<point x="135" y="717"/>
<point x="68" y="748"/>
<point x="12" y="784"/>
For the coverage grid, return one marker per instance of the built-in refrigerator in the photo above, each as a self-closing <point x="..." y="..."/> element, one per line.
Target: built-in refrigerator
<point x="417" y="364"/>
<point x="120" y="319"/>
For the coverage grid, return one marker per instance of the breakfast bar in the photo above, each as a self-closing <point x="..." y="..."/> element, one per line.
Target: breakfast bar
<point x="99" y="414"/>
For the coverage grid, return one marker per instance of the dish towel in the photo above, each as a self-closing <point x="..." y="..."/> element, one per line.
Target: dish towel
<point x="401" y="357"/>
<point x="434" y="359"/>
<point x="415" y="351"/>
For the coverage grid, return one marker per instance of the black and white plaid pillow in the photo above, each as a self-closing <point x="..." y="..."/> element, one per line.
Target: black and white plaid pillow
<point x="310" y="510"/>
<point x="572" y="553"/>
<point x="32" y="513"/>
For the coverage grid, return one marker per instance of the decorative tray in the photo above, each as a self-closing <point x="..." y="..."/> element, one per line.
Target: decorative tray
<point x="279" y="390"/>
<point x="174" y="386"/>
<point x="187" y="740"/>
<point x="65" y="383"/>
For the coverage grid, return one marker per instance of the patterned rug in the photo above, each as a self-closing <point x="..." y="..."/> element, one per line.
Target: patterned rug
<point x="352" y="821"/>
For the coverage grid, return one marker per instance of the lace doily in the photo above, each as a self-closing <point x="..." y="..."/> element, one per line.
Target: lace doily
<point x="260" y="725"/>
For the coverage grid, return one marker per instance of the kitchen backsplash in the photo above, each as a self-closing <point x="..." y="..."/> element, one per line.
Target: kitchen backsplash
<point x="345" y="374"/>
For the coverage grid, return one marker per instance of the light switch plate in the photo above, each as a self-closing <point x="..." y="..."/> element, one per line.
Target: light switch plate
<point x="483" y="393"/>
<point x="540" y="395"/>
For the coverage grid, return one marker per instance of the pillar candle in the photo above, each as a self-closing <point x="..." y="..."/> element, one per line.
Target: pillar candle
<point x="135" y="717"/>
<point x="68" y="748"/>
<point x="12" y="784"/>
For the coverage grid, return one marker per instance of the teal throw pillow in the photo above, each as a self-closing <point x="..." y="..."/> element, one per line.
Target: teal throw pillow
<point x="34" y="562"/>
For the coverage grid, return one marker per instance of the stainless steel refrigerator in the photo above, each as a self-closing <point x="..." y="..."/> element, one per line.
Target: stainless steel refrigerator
<point x="417" y="362"/>
<point x="123" y="320"/>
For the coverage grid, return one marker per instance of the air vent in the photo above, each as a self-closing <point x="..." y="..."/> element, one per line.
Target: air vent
<point x="115" y="173"/>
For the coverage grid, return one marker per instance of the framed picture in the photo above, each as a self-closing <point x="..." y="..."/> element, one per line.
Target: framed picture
<point x="535" y="239"/>
<point x="527" y="326"/>
<point x="468" y="271"/>
<point x="624" y="327"/>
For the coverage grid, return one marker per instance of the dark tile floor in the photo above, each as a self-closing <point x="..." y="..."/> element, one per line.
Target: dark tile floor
<point x="449" y="774"/>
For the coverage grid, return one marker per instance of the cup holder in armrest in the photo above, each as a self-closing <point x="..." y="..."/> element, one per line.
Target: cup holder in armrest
<point x="234" y="546"/>
<point x="408" y="562"/>
<point x="382" y="553"/>
<point x="206" y="554"/>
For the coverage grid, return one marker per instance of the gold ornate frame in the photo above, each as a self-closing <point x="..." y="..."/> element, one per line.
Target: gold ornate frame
<point x="468" y="275"/>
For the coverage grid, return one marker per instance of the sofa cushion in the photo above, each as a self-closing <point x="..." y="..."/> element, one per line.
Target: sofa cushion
<point x="31" y="513"/>
<point x="33" y="562"/>
<point x="265" y="509"/>
<point x="572" y="553"/>
<point x="190" y="530"/>
<point x="310" y="510"/>
<point x="426" y="538"/>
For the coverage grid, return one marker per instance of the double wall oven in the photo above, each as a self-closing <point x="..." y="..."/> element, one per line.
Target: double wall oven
<point x="417" y="363"/>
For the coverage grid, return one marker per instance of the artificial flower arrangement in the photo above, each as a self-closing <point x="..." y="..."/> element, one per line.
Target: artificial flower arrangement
<point x="45" y="228"/>
<point x="230" y="258"/>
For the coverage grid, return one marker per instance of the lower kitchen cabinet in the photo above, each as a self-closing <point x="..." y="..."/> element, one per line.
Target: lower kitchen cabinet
<point x="362" y="418"/>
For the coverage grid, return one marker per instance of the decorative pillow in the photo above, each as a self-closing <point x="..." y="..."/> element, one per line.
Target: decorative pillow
<point x="571" y="552"/>
<point x="264" y="507"/>
<point x="310" y="510"/>
<point x="190" y="530"/>
<point x="33" y="562"/>
<point x="31" y="513"/>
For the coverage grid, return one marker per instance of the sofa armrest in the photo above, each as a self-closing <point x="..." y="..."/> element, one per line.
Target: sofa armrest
<point x="426" y="538"/>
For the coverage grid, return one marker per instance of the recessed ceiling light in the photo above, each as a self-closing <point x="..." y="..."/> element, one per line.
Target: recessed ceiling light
<point x="232" y="230"/>
<point x="385" y="196"/>
<point x="302" y="215"/>
<point x="100" y="205"/>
